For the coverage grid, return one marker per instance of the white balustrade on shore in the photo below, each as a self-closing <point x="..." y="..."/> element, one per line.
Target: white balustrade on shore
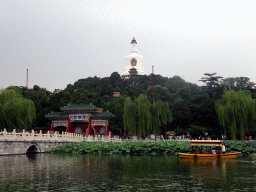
<point x="55" y="137"/>
<point x="70" y="137"/>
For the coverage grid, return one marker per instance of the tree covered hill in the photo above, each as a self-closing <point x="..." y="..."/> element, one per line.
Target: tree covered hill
<point x="192" y="106"/>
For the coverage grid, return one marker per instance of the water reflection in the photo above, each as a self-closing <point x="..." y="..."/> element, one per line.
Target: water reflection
<point x="47" y="172"/>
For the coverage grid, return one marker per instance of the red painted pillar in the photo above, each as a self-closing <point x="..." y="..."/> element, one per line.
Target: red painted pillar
<point x="107" y="131"/>
<point x="51" y="129"/>
<point x="68" y="127"/>
<point x="90" y="127"/>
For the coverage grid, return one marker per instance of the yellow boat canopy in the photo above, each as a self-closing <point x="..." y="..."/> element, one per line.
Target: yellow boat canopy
<point x="206" y="143"/>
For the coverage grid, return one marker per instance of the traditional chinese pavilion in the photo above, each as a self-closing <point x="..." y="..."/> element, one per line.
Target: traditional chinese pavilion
<point x="82" y="119"/>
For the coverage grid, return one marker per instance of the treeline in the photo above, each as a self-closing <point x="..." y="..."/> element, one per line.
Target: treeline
<point x="192" y="106"/>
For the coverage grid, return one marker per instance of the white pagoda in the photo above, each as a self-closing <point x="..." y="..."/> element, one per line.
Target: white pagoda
<point x="133" y="62"/>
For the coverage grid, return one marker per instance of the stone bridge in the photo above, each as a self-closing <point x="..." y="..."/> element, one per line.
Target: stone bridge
<point x="23" y="146"/>
<point x="20" y="143"/>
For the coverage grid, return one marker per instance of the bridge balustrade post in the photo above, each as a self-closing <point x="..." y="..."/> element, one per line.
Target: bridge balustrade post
<point x="14" y="134"/>
<point x="40" y="135"/>
<point x="74" y="136"/>
<point x="33" y="134"/>
<point x="48" y="135"/>
<point x="5" y="133"/>
<point x="103" y="138"/>
<point x="65" y="136"/>
<point x="23" y="134"/>
<point x="56" y="136"/>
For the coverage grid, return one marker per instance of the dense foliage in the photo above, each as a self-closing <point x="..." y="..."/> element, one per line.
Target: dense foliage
<point x="246" y="147"/>
<point x="193" y="107"/>
<point x="141" y="118"/>
<point x="16" y="112"/>
<point x="237" y="113"/>
<point x="168" y="147"/>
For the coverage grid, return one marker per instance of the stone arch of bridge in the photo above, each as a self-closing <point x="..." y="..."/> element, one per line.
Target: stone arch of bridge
<point x="33" y="149"/>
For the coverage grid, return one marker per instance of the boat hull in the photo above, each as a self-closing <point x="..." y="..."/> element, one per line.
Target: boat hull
<point x="232" y="155"/>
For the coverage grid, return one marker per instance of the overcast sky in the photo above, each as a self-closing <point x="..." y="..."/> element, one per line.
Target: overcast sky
<point x="61" y="41"/>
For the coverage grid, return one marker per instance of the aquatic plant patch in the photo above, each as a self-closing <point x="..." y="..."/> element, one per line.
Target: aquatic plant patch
<point x="247" y="147"/>
<point x="168" y="147"/>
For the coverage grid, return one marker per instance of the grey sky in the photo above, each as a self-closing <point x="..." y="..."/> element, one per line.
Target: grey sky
<point x="61" y="41"/>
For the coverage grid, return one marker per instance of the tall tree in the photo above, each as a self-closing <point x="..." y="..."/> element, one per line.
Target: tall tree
<point x="212" y="82"/>
<point x="16" y="112"/>
<point x="141" y="117"/>
<point x="130" y="116"/>
<point x="116" y="107"/>
<point x="174" y="83"/>
<point x="237" y="113"/>
<point x="115" y="79"/>
<point x="143" y="114"/>
<point x="237" y="83"/>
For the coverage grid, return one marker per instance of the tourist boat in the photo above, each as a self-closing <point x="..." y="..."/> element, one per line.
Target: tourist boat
<point x="213" y="154"/>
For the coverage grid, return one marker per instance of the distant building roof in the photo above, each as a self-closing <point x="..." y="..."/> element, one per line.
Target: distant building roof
<point x="116" y="94"/>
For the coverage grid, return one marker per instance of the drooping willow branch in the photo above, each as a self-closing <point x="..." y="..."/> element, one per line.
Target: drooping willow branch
<point x="236" y="113"/>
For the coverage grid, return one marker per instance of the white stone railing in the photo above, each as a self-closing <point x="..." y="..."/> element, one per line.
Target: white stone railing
<point x="68" y="137"/>
<point x="64" y="137"/>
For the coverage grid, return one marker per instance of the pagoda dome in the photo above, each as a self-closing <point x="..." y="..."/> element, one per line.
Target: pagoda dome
<point x="133" y="60"/>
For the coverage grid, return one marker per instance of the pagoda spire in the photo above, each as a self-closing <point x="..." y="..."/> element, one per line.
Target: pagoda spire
<point x="134" y="45"/>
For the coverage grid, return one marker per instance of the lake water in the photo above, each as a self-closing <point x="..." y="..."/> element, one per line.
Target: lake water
<point x="64" y="172"/>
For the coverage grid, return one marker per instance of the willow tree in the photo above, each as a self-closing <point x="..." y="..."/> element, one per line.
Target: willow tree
<point x="140" y="117"/>
<point x="236" y="113"/>
<point x="161" y="114"/>
<point x="130" y="116"/>
<point x="16" y="112"/>
<point x="143" y="114"/>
